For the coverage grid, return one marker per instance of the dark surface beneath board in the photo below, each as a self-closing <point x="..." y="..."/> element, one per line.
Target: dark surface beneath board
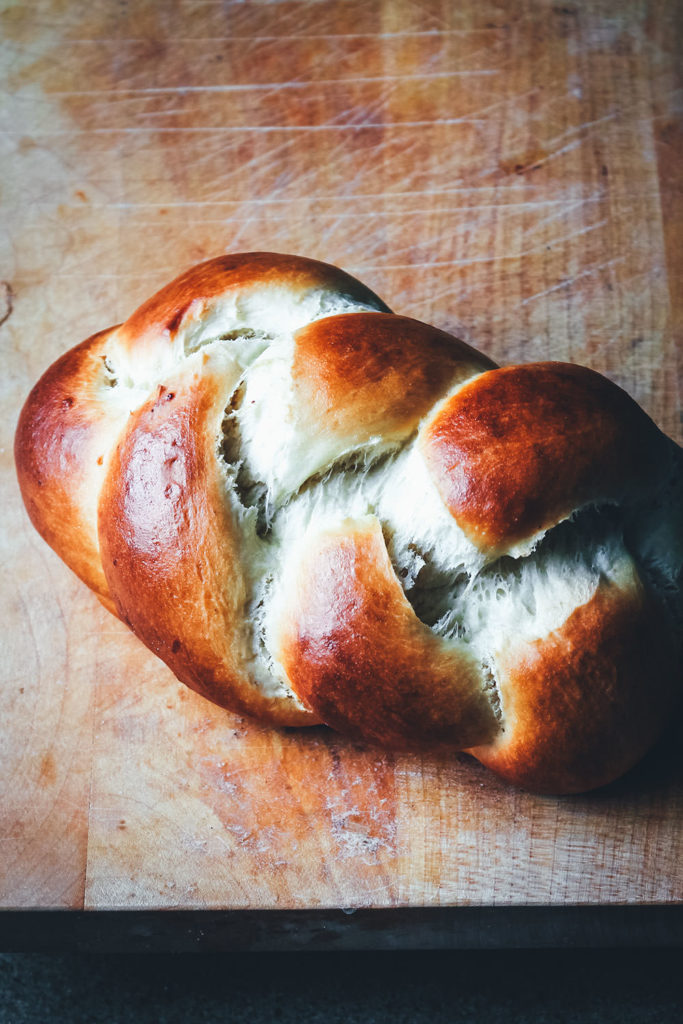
<point x="631" y="986"/>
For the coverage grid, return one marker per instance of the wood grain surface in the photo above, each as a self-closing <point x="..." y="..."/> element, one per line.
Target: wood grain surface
<point x="506" y="171"/>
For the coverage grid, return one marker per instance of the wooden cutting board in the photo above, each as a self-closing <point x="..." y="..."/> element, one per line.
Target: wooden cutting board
<point x="509" y="172"/>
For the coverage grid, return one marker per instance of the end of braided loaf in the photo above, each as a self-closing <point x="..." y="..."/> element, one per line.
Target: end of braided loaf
<point x="313" y="509"/>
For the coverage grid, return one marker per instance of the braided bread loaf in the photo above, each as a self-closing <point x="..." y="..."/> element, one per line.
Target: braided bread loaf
<point x="315" y="510"/>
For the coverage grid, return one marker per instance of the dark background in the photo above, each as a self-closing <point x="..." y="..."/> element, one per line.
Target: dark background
<point x="601" y="986"/>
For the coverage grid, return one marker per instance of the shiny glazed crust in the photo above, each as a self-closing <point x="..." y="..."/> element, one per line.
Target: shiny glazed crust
<point x="315" y="510"/>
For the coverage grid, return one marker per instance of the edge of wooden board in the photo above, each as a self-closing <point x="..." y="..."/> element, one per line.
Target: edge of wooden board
<point x="338" y="930"/>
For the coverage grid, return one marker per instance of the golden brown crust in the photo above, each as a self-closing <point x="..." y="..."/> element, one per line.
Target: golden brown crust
<point x="193" y="290"/>
<point x="355" y="651"/>
<point x="583" y="704"/>
<point x="170" y="545"/>
<point x="133" y="491"/>
<point x="62" y="445"/>
<point x="518" y="449"/>
<point x="370" y="374"/>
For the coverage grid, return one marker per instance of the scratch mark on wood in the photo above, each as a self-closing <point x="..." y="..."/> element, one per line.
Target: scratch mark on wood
<point x="6" y="301"/>
<point x="398" y="34"/>
<point x="485" y="259"/>
<point x="236" y="129"/>
<point x="589" y="272"/>
<point x="565" y="204"/>
<point x="291" y="84"/>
